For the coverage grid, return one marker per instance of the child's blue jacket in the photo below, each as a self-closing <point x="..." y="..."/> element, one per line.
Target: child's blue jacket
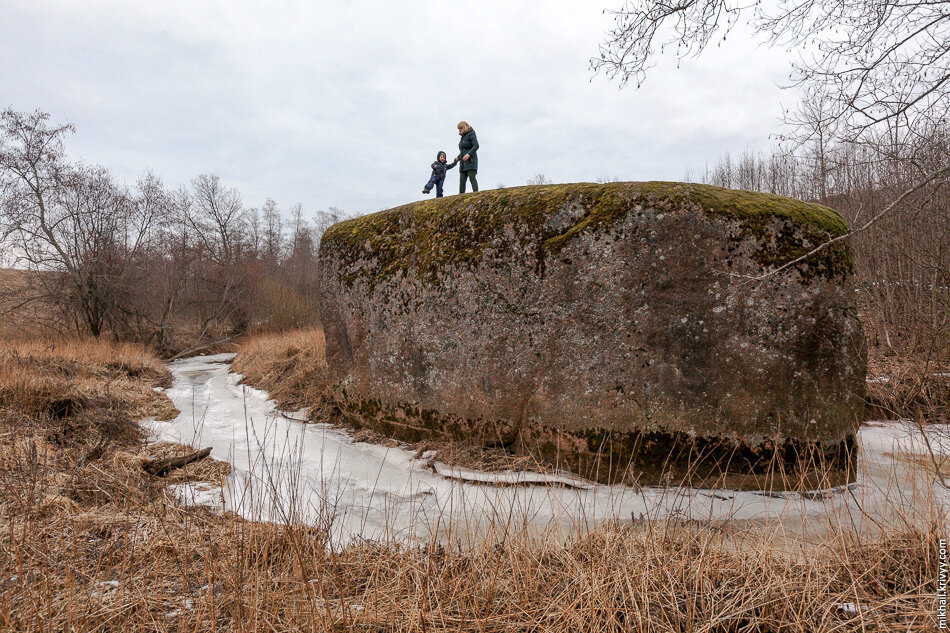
<point x="439" y="168"/>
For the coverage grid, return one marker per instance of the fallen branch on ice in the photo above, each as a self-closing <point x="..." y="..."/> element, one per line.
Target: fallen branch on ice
<point x="161" y="467"/>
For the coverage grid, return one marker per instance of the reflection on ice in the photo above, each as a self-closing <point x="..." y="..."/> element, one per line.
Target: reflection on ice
<point x="287" y="471"/>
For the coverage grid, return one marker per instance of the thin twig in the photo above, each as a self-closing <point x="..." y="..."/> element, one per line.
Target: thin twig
<point x="909" y="192"/>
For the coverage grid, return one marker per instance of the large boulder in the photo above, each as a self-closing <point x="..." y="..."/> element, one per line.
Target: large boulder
<point x="624" y="331"/>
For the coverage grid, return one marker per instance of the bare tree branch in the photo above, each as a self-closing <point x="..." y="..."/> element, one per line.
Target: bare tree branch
<point x="930" y="178"/>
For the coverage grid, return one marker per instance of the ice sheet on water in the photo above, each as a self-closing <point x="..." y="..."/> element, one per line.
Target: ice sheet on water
<point x="509" y="477"/>
<point x="289" y="471"/>
<point x="905" y="436"/>
<point x="198" y="494"/>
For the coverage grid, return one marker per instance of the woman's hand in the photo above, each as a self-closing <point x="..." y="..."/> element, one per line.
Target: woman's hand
<point x="466" y="157"/>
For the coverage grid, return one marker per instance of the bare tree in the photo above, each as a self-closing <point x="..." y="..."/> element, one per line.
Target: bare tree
<point x="178" y="269"/>
<point x="255" y="237"/>
<point x="273" y="230"/>
<point x="873" y="61"/>
<point x="218" y="218"/>
<point x="539" y="179"/>
<point x="875" y="78"/>
<point x="167" y="269"/>
<point x="325" y="219"/>
<point x="217" y="224"/>
<point x="71" y="224"/>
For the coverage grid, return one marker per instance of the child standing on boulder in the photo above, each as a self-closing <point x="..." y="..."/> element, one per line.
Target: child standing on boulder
<point x="439" y="167"/>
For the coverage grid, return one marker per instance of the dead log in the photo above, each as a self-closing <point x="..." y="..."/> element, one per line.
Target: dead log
<point x="161" y="467"/>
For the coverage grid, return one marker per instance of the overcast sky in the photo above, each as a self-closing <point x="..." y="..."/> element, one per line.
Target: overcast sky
<point x="346" y="103"/>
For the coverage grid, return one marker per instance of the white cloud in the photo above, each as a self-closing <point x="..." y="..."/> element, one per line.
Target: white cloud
<point x="346" y="103"/>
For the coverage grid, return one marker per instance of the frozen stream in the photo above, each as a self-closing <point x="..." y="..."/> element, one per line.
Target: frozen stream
<point x="285" y="470"/>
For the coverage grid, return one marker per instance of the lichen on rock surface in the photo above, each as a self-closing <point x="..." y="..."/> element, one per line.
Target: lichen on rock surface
<point x="594" y="324"/>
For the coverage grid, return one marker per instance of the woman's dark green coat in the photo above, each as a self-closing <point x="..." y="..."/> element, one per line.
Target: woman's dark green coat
<point x="468" y="144"/>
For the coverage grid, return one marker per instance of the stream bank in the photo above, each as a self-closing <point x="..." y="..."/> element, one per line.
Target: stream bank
<point x="288" y="471"/>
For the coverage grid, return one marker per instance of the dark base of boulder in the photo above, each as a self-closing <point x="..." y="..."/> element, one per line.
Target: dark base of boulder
<point x="677" y="459"/>
<point x="628" y="457"/>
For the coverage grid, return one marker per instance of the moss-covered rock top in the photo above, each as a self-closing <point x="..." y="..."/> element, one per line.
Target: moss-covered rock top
<point x="427" y="234"/>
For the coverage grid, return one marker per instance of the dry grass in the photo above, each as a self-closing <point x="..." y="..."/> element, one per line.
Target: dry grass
<point x="89" y="542"/>
<point x="158" y="567"/>
<point x="67" y="408"/>
<point x="291" y="366"/>
<point x="62" y="385"/>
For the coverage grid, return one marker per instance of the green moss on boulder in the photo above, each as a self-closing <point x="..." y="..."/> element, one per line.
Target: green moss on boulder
<point x="423" y="236"/>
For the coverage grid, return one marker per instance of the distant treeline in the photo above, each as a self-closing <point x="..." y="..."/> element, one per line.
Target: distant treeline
<point x="181" y="268"/>
<point x="174" y="268"/>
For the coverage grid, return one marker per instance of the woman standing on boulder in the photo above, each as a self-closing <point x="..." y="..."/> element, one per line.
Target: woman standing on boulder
<point x="468" y="146"/>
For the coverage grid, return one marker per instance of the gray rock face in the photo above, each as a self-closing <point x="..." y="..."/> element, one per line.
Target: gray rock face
<point x="612" y="330"/>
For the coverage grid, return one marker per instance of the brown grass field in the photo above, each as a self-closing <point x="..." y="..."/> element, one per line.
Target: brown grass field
<point x="90" y="542"/>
